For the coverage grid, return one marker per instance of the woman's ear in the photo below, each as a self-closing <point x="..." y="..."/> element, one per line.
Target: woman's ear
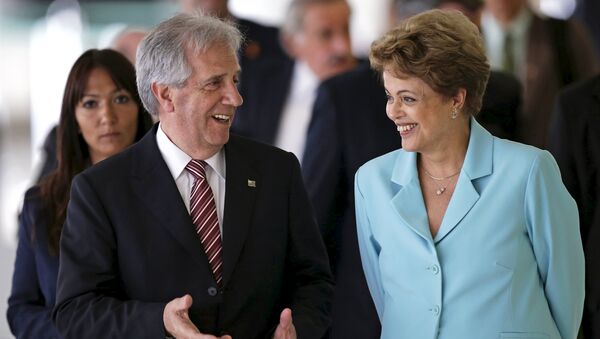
<point x="163" y="94"/>
<point x="458" y="100"/>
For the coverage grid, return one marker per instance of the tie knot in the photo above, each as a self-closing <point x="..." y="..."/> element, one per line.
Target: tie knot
<point x="197" y="168"/>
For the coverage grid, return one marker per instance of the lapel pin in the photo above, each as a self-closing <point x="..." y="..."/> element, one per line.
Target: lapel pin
<point x="251" y="183"/>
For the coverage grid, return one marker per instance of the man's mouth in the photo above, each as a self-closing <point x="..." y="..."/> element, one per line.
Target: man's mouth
<point x="222" y="118"/>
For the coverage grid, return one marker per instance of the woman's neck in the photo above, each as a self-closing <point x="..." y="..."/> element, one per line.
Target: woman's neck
<point x="447" y="159"/>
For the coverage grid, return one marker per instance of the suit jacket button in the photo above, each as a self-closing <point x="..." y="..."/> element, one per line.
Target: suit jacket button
<point x="212" y="291"/>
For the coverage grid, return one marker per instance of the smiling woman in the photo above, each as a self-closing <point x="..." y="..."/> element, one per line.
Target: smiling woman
<point x="458" y="224"/>
<point x="101" y="115"/>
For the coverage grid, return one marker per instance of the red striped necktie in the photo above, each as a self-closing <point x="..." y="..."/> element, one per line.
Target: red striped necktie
<point x="204" y="216"/>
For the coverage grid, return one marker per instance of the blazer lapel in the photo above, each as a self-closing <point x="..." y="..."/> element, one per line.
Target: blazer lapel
<point x="156" y="190"/>
<point x="406" y="202"/>
<point x="478" y="163"/>
<point x="242" y="183"/>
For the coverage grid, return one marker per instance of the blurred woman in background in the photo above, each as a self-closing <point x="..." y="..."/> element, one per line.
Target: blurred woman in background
<point x="101" y="115"/>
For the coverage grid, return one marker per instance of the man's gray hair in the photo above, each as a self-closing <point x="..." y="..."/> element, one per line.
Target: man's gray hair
<point x="294" y="16"/>
<point x="161" y="56"/>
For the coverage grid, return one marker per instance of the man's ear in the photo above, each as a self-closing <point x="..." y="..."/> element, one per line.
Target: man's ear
<point x="163" y="94"/>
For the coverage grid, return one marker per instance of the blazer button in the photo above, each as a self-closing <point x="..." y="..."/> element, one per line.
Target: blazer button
<point x="212" y="291"/>
<point x="435" y="310"/>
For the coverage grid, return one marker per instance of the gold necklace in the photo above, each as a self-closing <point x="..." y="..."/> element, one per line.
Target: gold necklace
<point x="441" y="189"/>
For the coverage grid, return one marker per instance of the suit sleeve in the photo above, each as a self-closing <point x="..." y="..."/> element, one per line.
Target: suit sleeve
<point x="368" y="246"/>
<point x="321" y="163"/>
<point x="90" y="302"/>
<point x="308" y="264"/>
<point x="28" y="313"/>
<point x="553" y="227"/>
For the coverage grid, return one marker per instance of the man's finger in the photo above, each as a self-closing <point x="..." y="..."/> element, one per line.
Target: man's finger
<point x="285" y="319"/>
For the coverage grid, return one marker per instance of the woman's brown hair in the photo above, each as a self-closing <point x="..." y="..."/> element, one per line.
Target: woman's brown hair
<point x="442" y="48"/>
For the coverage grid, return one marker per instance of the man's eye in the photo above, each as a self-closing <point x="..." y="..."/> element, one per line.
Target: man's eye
<point x="212" y="85"/>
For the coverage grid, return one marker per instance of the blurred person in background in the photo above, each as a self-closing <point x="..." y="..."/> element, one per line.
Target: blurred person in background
<point x="574" y="140"/>
<point x="544" y="54"/>
<point x="461" y="234"/>
<point x="278" y="98"/>
<point x="101" y="115"/>
<point x="127" y="41"/>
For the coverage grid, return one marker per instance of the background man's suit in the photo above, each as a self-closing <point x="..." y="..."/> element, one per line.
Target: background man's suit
<point x="129" y="246"/>
<point x="265" y="88"/>
<point x="575" y="143"/>
<point x="349" y="127"/>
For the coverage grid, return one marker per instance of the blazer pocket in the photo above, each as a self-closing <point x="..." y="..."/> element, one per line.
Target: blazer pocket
<point x="524" y="335"/>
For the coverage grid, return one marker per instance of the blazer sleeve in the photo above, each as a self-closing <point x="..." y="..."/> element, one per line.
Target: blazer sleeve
<point x="90" y="302"/>
<point x="308" y="264"/>
<point x="368" y="246"/>
<point x="28" y="313"/>
<point x="553" y="228"/>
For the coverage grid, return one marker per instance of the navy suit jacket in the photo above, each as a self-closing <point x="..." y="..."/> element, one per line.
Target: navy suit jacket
<point x="129" y="246"/>
<point x="575" y="143"/>
<point x="34" y="278"/>
<point x="349" y="127"/>
<point x="264" y="87"/>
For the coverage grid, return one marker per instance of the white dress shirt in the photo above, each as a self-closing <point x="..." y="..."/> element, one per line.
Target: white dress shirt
<point x="494" y="36"/>
<point x="297" y="112"/>
<point x="177" y="160"/>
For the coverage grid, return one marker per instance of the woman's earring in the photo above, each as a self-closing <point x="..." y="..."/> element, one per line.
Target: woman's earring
<point x="454" y="113"/>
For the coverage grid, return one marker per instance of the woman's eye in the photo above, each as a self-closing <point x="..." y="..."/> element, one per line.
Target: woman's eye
<point x="89" y="104"/>
<point x="408" y="100"/>
<point x="122" y="99"/>
<point x="389" y="98"/>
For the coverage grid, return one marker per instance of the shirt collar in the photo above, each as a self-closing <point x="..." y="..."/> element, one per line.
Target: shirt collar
<point x="518" y="26"/>
<point x="304" y="80"/>
<point x="177" y="160"/>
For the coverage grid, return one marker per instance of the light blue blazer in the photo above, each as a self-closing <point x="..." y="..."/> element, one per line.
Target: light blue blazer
<point x="507" y="261"/>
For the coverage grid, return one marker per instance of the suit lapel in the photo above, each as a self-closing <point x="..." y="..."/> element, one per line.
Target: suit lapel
<point x="478" y="163"/>
<point x="156" y="190"/>
<point x="242" y="183"/>
<point x="410" y="208"/>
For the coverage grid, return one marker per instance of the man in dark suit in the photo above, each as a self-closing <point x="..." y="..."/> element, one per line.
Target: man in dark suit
<point x="350" y="127"/>
<point x="192" y="232"/>
<point x="575" y="143"/>
<point x="544" y="54"/>
<point x="279" y="95"/>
